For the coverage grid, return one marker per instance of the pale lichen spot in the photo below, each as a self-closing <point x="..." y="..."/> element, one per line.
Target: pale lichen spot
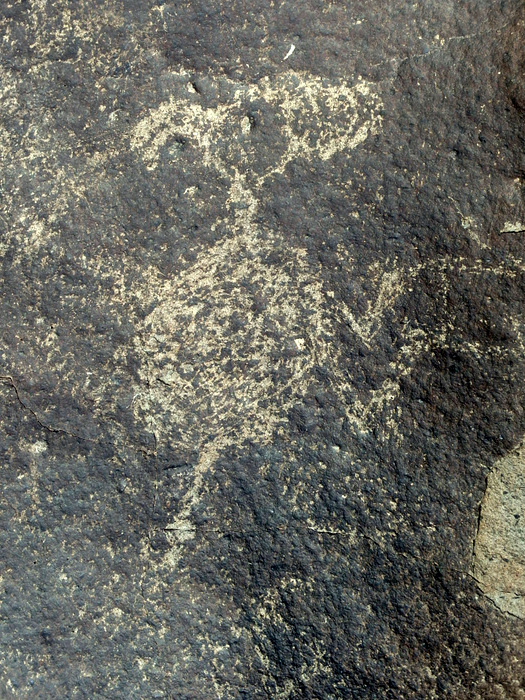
<point x="38" y="447"/>
<point x="513" y="227"/>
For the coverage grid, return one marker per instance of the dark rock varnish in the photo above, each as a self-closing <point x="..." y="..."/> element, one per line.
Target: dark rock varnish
<point x="262" y="350"/>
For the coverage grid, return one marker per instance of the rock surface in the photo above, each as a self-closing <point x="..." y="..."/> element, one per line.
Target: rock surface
<point x="499" y="552"/>
<point x="262" y="347"/>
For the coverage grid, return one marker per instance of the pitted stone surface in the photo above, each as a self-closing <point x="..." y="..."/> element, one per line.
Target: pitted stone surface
<point x="262" y="349"/>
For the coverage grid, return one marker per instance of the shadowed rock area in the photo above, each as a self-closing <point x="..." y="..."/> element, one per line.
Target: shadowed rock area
<point x="262" y="350"/>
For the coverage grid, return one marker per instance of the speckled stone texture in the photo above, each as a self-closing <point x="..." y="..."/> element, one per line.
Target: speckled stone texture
<point x="262" y="346"/>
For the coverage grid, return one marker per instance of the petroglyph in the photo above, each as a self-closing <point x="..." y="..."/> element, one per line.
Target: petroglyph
<point x="318" y="119"/>
<point x="235" y="339"/>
